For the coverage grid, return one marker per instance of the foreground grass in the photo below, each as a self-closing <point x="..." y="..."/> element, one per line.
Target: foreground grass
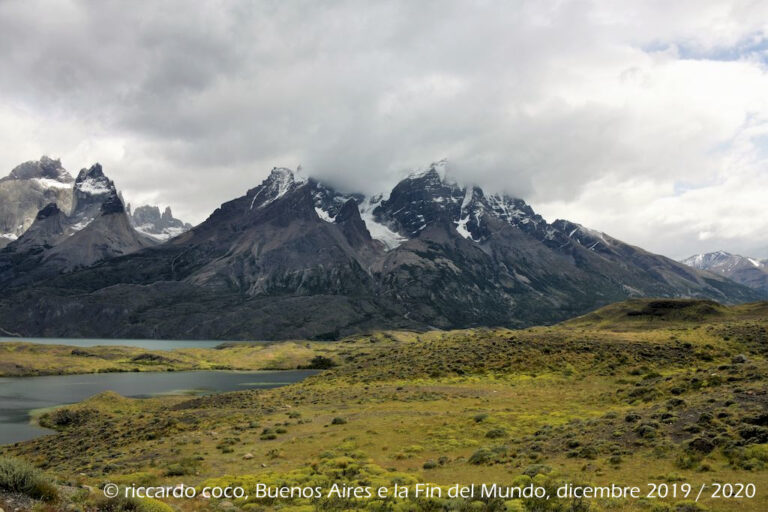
<point x="673" y="395"/>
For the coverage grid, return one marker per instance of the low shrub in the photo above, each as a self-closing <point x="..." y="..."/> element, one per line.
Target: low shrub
<point x="496" y="433"/>
<point x="481" y="456"/>
<point x="123" y="504"/>
<point x="21" y="477"/>
<point x="319" y="363"/>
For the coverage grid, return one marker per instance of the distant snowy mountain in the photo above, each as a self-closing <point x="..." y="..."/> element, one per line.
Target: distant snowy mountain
<point x="750" y="272"/>
<point x="294" y="258"/>
<point x="161" y="226"/>
<point x="26" y="190"/>
<point x="97" y="228"/>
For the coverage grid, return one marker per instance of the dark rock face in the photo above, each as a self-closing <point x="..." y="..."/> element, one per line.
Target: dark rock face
<point x="49" y="210"/>
<point x="294" y="258"/>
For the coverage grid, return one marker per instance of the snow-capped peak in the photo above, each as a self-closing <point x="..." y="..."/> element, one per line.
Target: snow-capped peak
<point x="93" y="182"/>
<point x="46" y="171"/>
<point x="439" y="169"/>
<point x="722" y="261"/>
<point x="279" y="182"/>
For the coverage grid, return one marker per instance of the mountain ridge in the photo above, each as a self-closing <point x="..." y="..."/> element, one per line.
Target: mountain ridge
<point x="294" y="258"/>
<point x="96" y="228"/>
<point x="33" y="185"/>
<point x="750" y="272"/>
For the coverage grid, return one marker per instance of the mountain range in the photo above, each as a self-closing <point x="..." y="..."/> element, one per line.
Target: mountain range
<point x="294" y="258"/>
<point x="750" y="272"/>
<point x="54" y="223"/>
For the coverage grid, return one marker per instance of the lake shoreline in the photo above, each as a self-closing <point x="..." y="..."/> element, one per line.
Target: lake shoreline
<point x="29" y="359"/>
<point x="24" y="401"/>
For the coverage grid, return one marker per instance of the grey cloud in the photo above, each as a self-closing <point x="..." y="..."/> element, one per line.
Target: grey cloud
<point x="207" y="96"/>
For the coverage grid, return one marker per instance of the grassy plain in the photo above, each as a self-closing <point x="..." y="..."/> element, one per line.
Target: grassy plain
<point x="663" y="392"/>
<point x="21" y="358"/>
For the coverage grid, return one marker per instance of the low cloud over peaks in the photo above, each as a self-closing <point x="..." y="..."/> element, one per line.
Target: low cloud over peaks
<point x="592" y="111"/>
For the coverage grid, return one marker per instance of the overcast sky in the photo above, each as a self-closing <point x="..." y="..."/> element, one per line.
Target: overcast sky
<point x="646" y="120"/>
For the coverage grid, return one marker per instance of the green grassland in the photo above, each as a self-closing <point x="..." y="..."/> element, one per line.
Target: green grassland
<point x="645" y="391"/>
<point x="28" y="359"/>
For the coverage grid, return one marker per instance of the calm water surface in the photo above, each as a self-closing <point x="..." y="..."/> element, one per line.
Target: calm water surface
<point x="147" y="344"/>
<point x="20" y="395"/>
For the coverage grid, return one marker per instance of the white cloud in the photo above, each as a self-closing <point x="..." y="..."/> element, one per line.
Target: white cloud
<point x="646" y="120"/>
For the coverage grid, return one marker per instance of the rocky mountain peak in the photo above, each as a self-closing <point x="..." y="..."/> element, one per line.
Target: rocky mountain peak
<point x="148" y="220"/>
<point x="28" y="188"/>
<point x="279" y="182"/>
<point x="745" y="270"/>
<point x="315" y="262"/>
<point x="44" y="169"/>
<point x="93" y="180"/>
<point x="436" y="172"/>
<point x="723" y="261"/>
<point x="92" y="187"/>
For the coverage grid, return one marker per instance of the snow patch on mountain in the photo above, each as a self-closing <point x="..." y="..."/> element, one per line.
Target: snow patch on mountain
<point x="280" y="181"/>
<point x="461" y="224"/>
<point x="505" y="209"/>
<point x="324" y="215"/>
<point x="94" y="186"/>
<point x="167" y="234"/>
<point x="48" y="183"/>
<point x="378" y="231"/>
<point x="79" y="226"/>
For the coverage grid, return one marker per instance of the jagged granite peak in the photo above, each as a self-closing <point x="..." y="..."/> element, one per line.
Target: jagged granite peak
<point x="280" y="181"/>
<point x="97" y="229"/>
<point x="148" y="220"/>
<point x="748" y="271"/>
<point x="49" y="228"/>
<point x="28" y="188"/>
<point x="94" y="194"/>
<point x="430" y="196"/>
<point x="436" y="171"/>
<point x="45" y="168"/>
<point x="93" y="182"/>
<point x="293" y="258"/>
<point x="417" y="201"/>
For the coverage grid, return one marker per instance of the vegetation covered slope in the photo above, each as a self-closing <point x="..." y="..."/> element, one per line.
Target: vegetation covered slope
<point x="664" y="392"/>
